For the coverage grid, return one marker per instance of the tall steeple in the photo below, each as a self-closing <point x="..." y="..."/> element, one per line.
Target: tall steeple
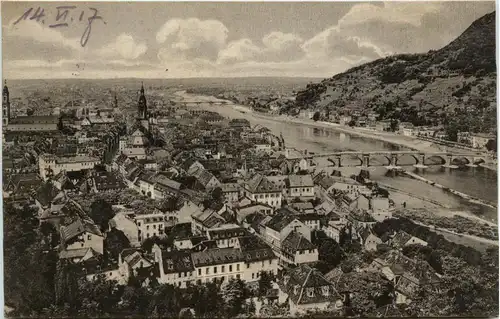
<point x="142" y="107"/>
<point x="5" y="104"/>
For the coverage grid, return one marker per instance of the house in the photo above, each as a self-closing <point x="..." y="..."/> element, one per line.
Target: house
<point x="78" y="255"/>
<point x="307" y="290"/>
<point x="383" y="126"/>
<point x="360" y="219"/>
<point x="151" y="224"/>
<point x="226" y="235"/>
<point x="368" y="239"/>
<point x="82" y="234"/>
<point x="231" y="191"/>
<point x="101" y="182"/>
<point x="279" y="226"/>
<point x="407" y="275"/>
<point x="480" y="140"/>
<point x="135" y="153"/>
<point x="205" y="180"/>
<point x="402" y="239"/>
<point x="247" y="262"/>
<point x="345" y="120"/>
<point x="311" y="220"/>
<point x="124" y="223"/>
<point x="304" y="207"/>
<point x="301" y="186"/>
<point x="296" y="249"/>
<point x="188" y="242"/>
<point x="251" y="208"/>
<point x="175" y="267"/>
<point x="204" y="220"/>
<point x="51" y="165"/>
<point x="133" y="262"/>
<point x="334" y="230"/>
<point x="260" y="189"/>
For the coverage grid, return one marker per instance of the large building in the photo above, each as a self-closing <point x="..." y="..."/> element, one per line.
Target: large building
<point x="51" y="165"/>
<point x="246" y="261"/>
<point x="25" y="123"/>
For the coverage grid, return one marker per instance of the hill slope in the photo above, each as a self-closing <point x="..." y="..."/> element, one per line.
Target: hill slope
<point x="454" y="86"/>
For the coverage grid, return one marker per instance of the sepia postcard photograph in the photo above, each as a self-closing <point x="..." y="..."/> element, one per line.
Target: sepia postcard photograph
<point x="249" y="159"/>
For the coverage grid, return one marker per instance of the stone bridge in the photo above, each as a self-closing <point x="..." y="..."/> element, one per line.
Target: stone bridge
<point x="447" y="159"/>
<point x="194" y="103"/>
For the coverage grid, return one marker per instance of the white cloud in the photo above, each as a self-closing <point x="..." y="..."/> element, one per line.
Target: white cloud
<point x="124" y="47"/>
<point x="333" y="43"/>
<point x="238" y="51"/>
<point x="399" y="12"/>
<point x="278" y="41"/>
<point x="192" y="38"/>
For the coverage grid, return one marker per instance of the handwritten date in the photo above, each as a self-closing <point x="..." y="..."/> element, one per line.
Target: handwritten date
<point x="63" y="18"/>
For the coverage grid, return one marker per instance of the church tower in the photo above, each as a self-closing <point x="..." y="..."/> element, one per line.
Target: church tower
<point x="5" y="105"/>
<point x="142" y="107"/>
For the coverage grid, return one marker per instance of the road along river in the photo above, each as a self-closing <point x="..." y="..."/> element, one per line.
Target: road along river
<point x="478" y="182"/>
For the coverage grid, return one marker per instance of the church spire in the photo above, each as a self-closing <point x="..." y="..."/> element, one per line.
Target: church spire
<point x="142" y="107"/>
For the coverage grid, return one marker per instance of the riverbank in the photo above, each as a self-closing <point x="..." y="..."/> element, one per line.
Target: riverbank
<point x="471" y="199"/>
<point x="454" y="224"/>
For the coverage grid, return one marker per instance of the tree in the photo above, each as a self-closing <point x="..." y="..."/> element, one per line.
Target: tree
<point x="116" y="242"/>
<point x="330" y="252"/>
<point x="50" y="233"/>
<point x="491" y="145"/>
<point x="66" y="285"/>
<point x="316" y="116"/>
<point x="217" y="194"/>
<point x="101" y="212"/>
<point x="265" y="283"/>
<point x="234" y="295"/>
<point x="28" y="268"/>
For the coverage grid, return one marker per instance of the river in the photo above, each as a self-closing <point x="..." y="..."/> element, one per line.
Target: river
<point x="478" y="182"/>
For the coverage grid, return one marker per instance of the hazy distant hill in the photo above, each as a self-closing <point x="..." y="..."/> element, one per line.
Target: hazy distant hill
<point x="455" y="85"/>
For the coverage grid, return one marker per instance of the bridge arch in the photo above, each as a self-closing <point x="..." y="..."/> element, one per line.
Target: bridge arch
<point x="460" y="160"/>
<point x="478" y="160"/>
<point x="407" y="159"/>
<point x="434" y="160"/>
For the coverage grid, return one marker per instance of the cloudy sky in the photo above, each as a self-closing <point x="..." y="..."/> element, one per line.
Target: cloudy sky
<point x="223" y="39"/>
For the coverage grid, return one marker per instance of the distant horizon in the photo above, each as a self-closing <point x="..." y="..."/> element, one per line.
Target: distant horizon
<point x="176" y="78"/>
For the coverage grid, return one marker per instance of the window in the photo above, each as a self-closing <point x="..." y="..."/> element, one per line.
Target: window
<point x="310" y="292"/>
<point x="238" y="276"/>
<point x="215" y="269"/>
<point x="238" y="267"/>
<point x="230" y="268"/>
<point x="154" y="226"/>
<point x="147" y="227"/>
<point x="223" y="268"/>
<point x="253" y="275"/>
<point x="199" y="272"/>
<point x="88" y="237"/>
<point x="325" y="290"/>
<point x="206" y="271"/>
